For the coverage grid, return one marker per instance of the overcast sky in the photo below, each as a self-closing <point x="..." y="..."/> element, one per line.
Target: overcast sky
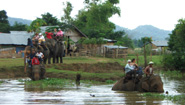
<point x="163" y="14"/>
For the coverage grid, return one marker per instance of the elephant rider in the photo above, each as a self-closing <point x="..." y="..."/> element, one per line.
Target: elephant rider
<point x="128" y="71"/>
<point x="128" y="67"/>
<point x="30" y="57"/>
<point x="40" y="56"/>
<point x="35" y="60"/>
<point x="136" y="67"/>
<point x="41" y="38"/>
<point x="149" y="69"/>
<point x="59" y="33"/>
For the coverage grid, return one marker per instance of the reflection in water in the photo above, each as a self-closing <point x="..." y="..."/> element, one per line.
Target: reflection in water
<point x="14" y="92"/>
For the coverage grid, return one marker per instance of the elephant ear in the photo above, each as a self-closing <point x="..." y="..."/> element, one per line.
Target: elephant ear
<point x="145" y="86"/>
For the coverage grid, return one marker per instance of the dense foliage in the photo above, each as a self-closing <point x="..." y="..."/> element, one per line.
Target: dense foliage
<point x="4" y="24"/>
<point x="93" y="20"/>
<point x="50" y="19"/>
<point x="35" y="25"/>
<point x="18" y="27"/>
<point x="176" y="44"/>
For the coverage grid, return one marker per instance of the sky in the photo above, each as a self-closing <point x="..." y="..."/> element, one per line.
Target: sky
<point x="163" y="14"/>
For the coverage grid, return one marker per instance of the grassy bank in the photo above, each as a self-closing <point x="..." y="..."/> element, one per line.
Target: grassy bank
<point x="58" y="83"/>
<point x="9" y="62"/>
<point x="114" y="75"/>
<point x="90" y="68"/>
<point x="179" y="99"/>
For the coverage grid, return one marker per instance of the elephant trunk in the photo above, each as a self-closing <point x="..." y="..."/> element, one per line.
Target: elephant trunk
<point x="36" y="72"/>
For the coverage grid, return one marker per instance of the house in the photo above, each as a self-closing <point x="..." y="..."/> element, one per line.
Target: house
<point x="109" y="41"/>
<point x="74" y="34"/>
<point x="159" y="45"/>
<point x="15" y="39"/>
<point x="114" y="51"/>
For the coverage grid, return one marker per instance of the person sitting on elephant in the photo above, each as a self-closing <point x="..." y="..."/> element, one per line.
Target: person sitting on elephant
<point x="30" y="57"/>
<point x="49" y="35"/>
<point x="149" y="69"/>
<point x="59" y="33"/>
<point x="41" y="38"/>
<point x="136" y="67"/>
<point x="40" y="56"/>
<point x="30" y="43"/>
<point x="128" y="71"/>
<point x="36" y="37"/>
<point x="35" y="60"/>
<point x="128" y="67"/>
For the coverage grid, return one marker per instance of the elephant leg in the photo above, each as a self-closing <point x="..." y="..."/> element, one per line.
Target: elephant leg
<point x="61" y="58"/>
<point x="57" y="59"/>
<point x="49" y="59"/>
<point x="54" y="59"/>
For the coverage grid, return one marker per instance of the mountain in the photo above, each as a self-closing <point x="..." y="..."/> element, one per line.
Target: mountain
<point x="19" y="20"/>
<point x="145" y="31"/>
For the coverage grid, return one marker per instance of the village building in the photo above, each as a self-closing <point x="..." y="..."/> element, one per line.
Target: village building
<point x="13" y="42"/>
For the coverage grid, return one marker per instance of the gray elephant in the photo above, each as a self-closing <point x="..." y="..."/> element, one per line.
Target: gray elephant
<point x="53" y="48"/>
<point x="60" y="52"/>
<point x="36" y="72"/>
<point x="145" y="84"/>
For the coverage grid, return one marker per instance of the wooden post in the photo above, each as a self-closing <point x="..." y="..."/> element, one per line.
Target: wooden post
<point x="145" y="60"/>
<point x="151" y="53"/>
<point x="137" y="58"/>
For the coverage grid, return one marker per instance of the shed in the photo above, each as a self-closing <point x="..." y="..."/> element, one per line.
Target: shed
<point x="114" y="51"/>
<point x="74" y="34"/>
<point x="14" y="40"/>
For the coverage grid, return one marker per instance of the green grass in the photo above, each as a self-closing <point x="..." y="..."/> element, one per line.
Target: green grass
<point x="10" y="62"/>
<point x="180" y="99"/>
<point x="86" y="74"/>
<point x="174" y="73"/>
<point x="51" y="82"/>
<point x="1" y="82"/>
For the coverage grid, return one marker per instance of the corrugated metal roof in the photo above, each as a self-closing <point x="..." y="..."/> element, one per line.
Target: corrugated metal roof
<point x="160" y="43"/>
<point x="109" y="40"/>
<point x="13" y="39"/>
<point x="114" y="46"/>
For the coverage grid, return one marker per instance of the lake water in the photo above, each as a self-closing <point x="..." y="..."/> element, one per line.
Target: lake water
<point x="13" y="92"/>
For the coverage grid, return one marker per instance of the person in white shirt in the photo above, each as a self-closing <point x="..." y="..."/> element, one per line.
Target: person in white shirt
<point x="40" y="56"/>
<point x="128" y="67"/>
<point x="41" y="38"/>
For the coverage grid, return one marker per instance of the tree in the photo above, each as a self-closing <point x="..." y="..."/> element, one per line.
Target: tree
<point x="93" y="20"/>
<point x="4" y="24"/>
<point x="67" y="12"/>
<point x="18" y="27"/>
<point x="145" y="40"/>
<point x="35" y="25"/>
<point x="50" y="19"/>
<point x="177" y="46"/>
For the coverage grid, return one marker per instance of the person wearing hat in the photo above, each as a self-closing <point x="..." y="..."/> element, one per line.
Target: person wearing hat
<point x="41" y="38"/>
<point x="59" y="33"/>
<point x="35" y="60"/>
<point x="149" y="69"/>
<point x="128" y="67"/>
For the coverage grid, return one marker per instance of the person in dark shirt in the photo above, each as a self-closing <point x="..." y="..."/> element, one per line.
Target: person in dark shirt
<point x="30" y="57"/>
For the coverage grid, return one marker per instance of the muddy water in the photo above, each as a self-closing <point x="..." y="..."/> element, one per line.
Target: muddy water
<point x="14" y="92"/>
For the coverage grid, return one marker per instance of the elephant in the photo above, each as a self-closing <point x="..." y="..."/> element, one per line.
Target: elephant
<point x="53" y="48"/>
<point x="60" y="51"/>
<point x="145" y="84"/>
<point x="36" y="72"/>
<point x="28" y="49"/>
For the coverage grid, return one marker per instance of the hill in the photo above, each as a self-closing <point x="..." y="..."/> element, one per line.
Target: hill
<point x="19" y="20"/>
<point x="145" y="31"/>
